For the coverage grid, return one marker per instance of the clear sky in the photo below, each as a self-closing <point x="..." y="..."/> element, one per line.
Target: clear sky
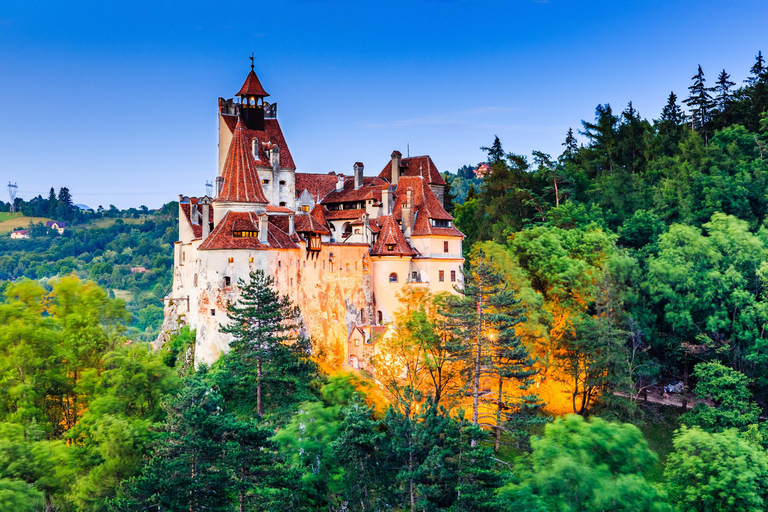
<point x="117" y="100"/>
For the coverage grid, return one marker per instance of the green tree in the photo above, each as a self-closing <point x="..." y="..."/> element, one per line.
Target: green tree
<point x="716" y="471"/>
<point x="700" y="102"/>
<point x="727" y="388"/>
<point x="580" y="465"/>
<point x="262" y="324"/>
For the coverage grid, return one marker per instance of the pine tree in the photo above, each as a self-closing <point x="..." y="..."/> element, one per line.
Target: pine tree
<point x="700" y="102"/>
<point x="495" y="152"/>
<point x="672" y="112"/>
<point x="263" y="325"/>
<point x="485" y="316"/>
<point x="571" y="145"/>
<point x="64" y="196"/>
<point x="757" y="70"/>
<point x="723" y="97"/>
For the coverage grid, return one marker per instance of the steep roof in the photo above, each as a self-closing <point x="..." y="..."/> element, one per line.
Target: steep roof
<point x="426" y="207"/>
<point x="371" y="189"/>
<point x="318" y="185"/>
<point x="271" y="134"/>
<point x="415" y="166"/>
<point x="306" y="223"/>
<point x="197" y="228"/>
<point x="345" y="214"/>
<point x="241" y="179"/>
<point x="252" y="86"/>
<point x="222" y="238"/>
<point x="391" y="235"/>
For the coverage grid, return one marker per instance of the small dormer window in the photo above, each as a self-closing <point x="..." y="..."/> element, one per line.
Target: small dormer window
<point x="305" y="208"/>
<point x="282" y="203"/>
<point x="265" y="182"/>
<point x="390" y="247"/>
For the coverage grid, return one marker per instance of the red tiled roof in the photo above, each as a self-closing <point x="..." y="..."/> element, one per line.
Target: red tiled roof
<point x="415" y="166"/>
<point x="252" y="86"/>
<point x="391" y="235"/>
<point x="278" y="209"/>
<point x="271" y="133"/>
<point x="373" y="224"/>
<point x="306" y="223"/>
<point x="319" y="212"/>
<point x="344" y="214"/>
<point x="426" y="207"/>
<point x="241" y="179"/>
<point x="197" y="229"/>
<point x="318" y="185"/>
<point x="221" y="237"/>
<point x="371" y="189"/>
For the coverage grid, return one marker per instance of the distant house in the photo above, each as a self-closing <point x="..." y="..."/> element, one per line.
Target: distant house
<point x="139" y="270"/>
<point x="57" y="225"/>
<point x="20" y="233"/>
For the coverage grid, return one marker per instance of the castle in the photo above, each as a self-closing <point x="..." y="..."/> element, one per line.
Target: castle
<point x="341" y="246"/>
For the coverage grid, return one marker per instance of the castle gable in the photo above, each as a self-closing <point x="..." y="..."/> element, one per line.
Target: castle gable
<point x="272" y="134"/>
<point x="240" y="230"/>
<point x="415" y="166"/>
<point x="241" y="179"/>
<point x="391" y="241"/>
<point x="430" y="218"/>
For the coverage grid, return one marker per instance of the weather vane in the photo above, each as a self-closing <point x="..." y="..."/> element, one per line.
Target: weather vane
<point x="251" y="57"/>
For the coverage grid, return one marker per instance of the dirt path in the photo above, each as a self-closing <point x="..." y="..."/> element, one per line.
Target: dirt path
<point x="672" y="399"/>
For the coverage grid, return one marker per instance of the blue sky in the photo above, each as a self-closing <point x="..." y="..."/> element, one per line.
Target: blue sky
<point x="117" y="100"/>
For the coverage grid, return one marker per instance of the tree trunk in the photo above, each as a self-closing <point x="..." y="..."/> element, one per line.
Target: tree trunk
<point x="498" y="416"/>
<point x="259" y="404"/>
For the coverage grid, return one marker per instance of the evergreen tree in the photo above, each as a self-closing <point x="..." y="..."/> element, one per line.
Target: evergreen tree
<point x="757" y="70"/>
<point x="723" y="98"/>
<point x="64" y="196"/>
<point x="700" y="102"/>
<point x="485" y="316"/>
<point x="52" y="202"/>
<point x="495" y="152"/>
<point x="670" y="126"/>
<point x="263" y="326"/>
<point x="571" y="145"/>
<point x="602" y="135"/>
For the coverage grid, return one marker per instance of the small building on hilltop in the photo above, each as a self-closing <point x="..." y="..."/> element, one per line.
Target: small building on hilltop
<point x="19" y="234"/>
<point x="56" y="225"/>
<point x="342" y="247"/>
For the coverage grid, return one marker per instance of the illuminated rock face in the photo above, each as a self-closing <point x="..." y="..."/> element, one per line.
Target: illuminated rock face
<point x="341" y="247"/>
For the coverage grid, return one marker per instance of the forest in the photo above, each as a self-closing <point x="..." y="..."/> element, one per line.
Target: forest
<point x="604" y="352"/>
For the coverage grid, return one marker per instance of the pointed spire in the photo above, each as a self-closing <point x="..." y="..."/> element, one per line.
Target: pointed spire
<point x="241" y="179"/>
<point x="252" y="85"/>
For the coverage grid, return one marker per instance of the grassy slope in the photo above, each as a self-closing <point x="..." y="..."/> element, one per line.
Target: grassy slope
<point x="9" y="223"/>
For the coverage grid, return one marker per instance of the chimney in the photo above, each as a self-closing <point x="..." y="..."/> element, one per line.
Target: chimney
<point x="365" y="227"/>
<point x="358" y="175"/>
<point x="193" y="218"/>
<point x="290" y="224"/>
<point x="274" y="157"/>
<point x="264" y="229"/>
<point x="386" y="200"/>
<point x="407" y="213"/>
<point x="396" y="156"/>
<point x="340" y="183"/>
<point x="255" y="148"/>
<point x="219" y="184"/>
<point x="205" y="221"/>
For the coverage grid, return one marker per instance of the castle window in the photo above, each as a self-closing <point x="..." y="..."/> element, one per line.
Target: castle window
<point x="231" y="259"/>
<point x="245" y="234"/>
<point x="390" y="247"/>
<point x="227" y="281"/>
<point x="453" y="276"/>
<point x="305" y="208"/>
<point x="441" y="223"/>
<point x="445" y="246"/>
<point x="265" y="182"/>
<point x="381" y="317"/>
<point x="415" y="276"/>
<point x="282" y="203"/>
<point x="441" y="275"/>
<point x="213" y="312"/>
<point x="279" y="263"/>
<point x="393" y="277"/>
<point x="282" y="182"/>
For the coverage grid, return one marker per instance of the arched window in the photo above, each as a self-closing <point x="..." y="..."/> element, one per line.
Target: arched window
<point x="381" y="317"/>
<point x="347" y="229"/>
<point x="393" y="277"/>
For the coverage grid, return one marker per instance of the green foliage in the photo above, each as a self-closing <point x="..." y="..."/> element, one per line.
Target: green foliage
<point x="727" y="388"/>
<point x="716" y="471"/>
<point x="588" y="466"/>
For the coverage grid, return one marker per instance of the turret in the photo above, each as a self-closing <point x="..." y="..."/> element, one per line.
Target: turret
<point x="252" y="96"/>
